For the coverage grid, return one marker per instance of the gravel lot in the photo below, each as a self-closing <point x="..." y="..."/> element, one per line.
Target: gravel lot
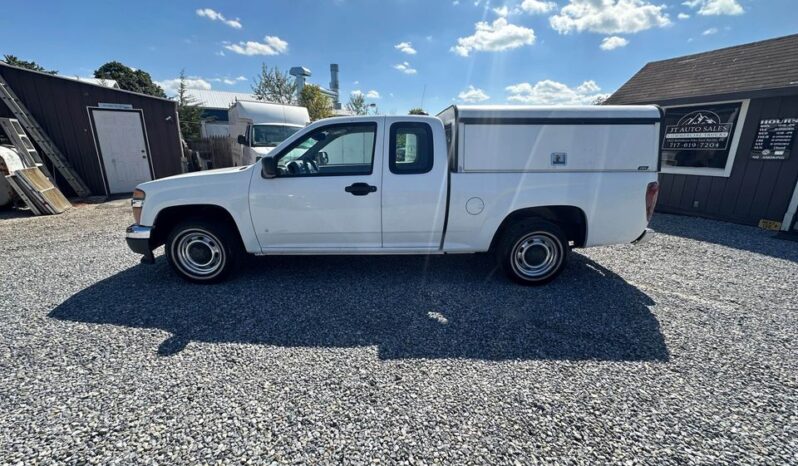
<point x="681" y="350"/>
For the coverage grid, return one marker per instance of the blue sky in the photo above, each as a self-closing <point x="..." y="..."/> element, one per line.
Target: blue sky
<point x="444" y="51"/>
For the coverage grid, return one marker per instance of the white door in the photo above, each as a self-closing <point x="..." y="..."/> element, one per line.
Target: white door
<point x="120" y="138"/>
<point x="327" y="196"/>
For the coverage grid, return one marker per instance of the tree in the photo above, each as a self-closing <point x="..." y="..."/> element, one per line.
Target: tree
<point x="417" y="111"/>
<point x="129" y="79"/>
<point x="600" y="100"/>
<point x="187" y="110"/>
<point x="31" y="65"/>
<point x="272" y="85"/>
<point x="357" y="104"/>
<point x="317" y="103"/>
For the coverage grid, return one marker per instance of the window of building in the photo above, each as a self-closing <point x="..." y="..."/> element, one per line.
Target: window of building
<point x="701" y="139"/>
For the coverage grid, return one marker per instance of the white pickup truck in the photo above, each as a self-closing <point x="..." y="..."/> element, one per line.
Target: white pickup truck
<point x="528" y="183"/>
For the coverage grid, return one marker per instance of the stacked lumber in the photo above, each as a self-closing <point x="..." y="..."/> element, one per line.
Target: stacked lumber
<point x="37" y="191"/>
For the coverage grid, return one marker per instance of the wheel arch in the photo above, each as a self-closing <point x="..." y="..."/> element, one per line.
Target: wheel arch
<point x="169" y="217"/>
<point x="570" y="218"/>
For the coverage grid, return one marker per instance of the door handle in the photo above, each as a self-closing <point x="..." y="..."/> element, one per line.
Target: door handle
<point x="360" y="189"/>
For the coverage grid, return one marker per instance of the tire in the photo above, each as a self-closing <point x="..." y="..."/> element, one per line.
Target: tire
<point x="533" y="251"/>
<point x="203" y="251"/>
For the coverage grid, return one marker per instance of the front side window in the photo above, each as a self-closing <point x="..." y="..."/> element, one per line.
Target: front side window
<point x="411" y="148"/>
<point x="344" y="149"/>
<point x="271" y="135"/>
<point x="699" y="136"/>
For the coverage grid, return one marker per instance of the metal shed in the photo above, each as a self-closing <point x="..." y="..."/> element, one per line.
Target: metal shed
<point x="729" y="133"/>
<point x="113" y="139"/>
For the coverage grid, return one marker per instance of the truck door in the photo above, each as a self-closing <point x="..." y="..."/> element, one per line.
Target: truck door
<point x="414" y="184"/>
<point x="327" y="195"/>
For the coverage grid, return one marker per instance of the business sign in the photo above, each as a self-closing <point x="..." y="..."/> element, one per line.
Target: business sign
<point x="115" y="106"/>
<point x="698" y="130"/>
<point x="774" y="139"/>
<point x="699" y="136"/>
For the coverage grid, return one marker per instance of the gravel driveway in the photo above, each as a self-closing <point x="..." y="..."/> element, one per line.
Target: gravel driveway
<point x="682" y="350"/>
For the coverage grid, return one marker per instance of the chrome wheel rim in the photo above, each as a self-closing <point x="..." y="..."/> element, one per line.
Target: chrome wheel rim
<point x="199" y="253"/>
<point x="536" y="255"/>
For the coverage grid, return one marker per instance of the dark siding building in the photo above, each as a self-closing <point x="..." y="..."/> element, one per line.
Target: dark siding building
<point x="114" y="139"/>
<point x="729" y="134"/>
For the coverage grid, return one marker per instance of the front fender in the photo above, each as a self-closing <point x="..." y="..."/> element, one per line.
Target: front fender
<point x="229" y="191"/>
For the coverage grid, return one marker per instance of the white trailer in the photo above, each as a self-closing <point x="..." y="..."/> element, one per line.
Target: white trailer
<point x="258" y="127"/>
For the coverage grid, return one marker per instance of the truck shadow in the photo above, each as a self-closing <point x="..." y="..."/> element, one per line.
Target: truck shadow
<point x="406" y="306"/>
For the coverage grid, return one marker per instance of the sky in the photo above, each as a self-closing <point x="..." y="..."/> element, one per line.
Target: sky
<point x="400" y="53"/>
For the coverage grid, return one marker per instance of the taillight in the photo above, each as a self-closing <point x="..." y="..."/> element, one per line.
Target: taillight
<point x="652" y="192"/>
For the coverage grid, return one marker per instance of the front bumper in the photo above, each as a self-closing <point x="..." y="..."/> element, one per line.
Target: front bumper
<point x="645" y="237"/>
<point x="138" y="240"/>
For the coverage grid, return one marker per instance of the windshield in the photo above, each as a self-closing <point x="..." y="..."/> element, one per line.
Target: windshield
<point x="271" y="135"/>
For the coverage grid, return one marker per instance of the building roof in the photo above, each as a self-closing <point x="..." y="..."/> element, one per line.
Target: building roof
<point x="96" y="81"/>
<point x="758" y="66"/>
<point x="83" y="81"/>
<point x="217" y="99"/>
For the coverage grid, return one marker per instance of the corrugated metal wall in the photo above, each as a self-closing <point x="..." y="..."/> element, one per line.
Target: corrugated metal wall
<point x="756" y="189"/>
<point x="61" y="105"/>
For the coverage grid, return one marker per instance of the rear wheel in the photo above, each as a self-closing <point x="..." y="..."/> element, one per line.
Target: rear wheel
<point x="533" y="251"/>
<point x="203" y="252"/>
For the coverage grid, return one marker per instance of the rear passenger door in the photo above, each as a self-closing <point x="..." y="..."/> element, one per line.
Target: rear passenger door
<point x="414" y="185"/>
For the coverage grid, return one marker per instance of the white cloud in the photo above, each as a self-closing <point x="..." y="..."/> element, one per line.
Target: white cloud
<point x="372" y="94"/>
<point x="609" y="16"/>
<point x="405" y="47"/>
<point x="216" y="16"/>
<point x="710" y="32"/>
<point x="548" y="92"/>
<point x="170" y="86"/>
<point x="502" y="11"/>
<point x="537" y="7"/>
<point x="715" y="7"/>
<point x="532" y="7"/>
<point x="405" y="68"/>
<point x="683" y="16"/>
<point x="495" y="37"/>
<point x="271" y="45"/>
<point x="473" y="95"/>
<point x="613" y="42"/>
<point x="229" y="81"/>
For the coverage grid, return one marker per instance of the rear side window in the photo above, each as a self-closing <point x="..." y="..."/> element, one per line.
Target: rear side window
<point x="411" y="148"/>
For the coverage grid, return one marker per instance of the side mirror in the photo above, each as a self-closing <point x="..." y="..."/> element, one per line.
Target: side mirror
<point x="268" y="167"/>
<point x="242" y="139"/>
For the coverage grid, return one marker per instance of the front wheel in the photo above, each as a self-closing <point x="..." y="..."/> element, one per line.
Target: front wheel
<point x="203" y="252"/>
<point x="533" y="251"/>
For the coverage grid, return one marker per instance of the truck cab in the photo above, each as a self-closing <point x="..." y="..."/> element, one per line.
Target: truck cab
<point x="350" y="184"/>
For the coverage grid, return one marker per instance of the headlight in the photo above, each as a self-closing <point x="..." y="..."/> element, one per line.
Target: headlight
<point x="137" y="203"/>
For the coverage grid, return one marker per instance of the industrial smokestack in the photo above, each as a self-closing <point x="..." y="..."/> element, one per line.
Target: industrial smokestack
<point x="334" y="85"/>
